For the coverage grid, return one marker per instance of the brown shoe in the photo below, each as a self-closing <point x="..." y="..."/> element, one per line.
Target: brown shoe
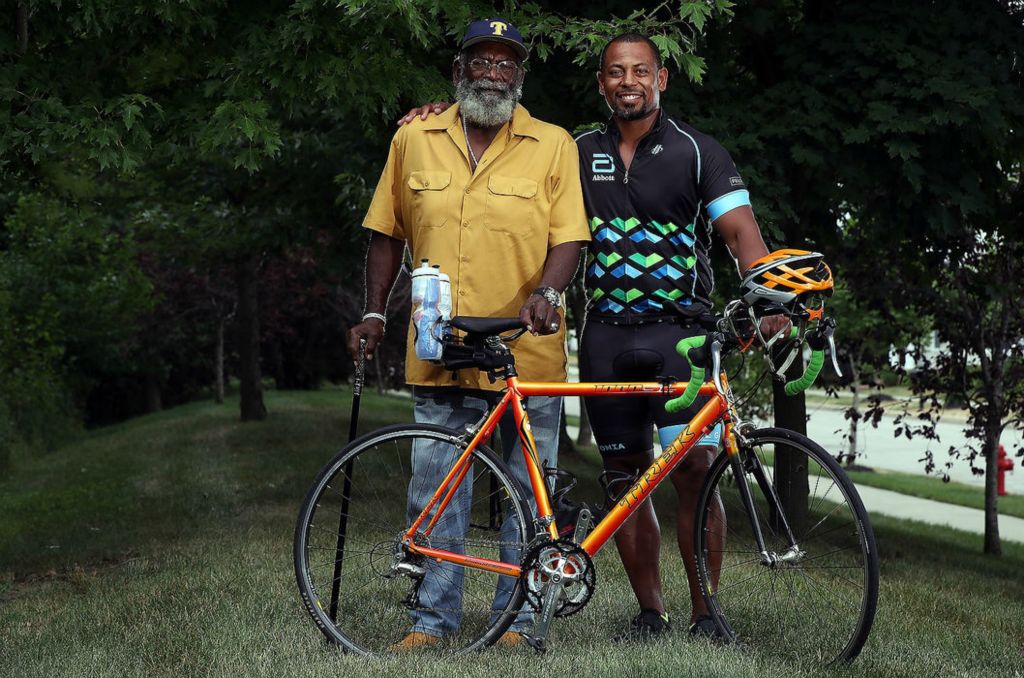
<point x="414" y="640"/>
<point x="510" y="639"/>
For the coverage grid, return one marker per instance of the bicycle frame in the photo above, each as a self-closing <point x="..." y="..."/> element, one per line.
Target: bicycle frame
<point x="715" y="410"/>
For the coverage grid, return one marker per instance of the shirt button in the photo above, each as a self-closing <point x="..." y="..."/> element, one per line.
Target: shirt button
<point x="467" y="190"/>
<point x="462" y="293"/>
<point x="465" y="224"/>
<point x="463" y="258"/>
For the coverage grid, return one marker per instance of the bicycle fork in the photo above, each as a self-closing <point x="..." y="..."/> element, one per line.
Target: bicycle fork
<point x="752" y="464"/>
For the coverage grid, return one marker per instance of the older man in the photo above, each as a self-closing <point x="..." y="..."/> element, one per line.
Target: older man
<point x="494" y="197"/>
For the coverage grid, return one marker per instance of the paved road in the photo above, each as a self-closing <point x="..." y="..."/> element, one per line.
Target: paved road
<point x="936" y="513"/>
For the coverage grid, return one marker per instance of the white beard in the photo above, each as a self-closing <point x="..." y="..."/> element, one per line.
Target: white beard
<point x="484" y="107"/>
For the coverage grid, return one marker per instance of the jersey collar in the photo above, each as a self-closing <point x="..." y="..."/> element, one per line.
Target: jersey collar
<point x="655" y="128"/>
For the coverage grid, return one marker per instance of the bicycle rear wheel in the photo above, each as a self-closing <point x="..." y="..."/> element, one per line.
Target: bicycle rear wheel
<point x="363" y="589"/>
<point x="813" y="600"/>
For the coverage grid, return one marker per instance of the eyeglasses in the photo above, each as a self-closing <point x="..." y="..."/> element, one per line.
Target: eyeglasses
<point x="506" y="68"/>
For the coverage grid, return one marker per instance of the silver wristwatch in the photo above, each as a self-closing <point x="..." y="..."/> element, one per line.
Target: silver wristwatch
<point x="550" y="295"/>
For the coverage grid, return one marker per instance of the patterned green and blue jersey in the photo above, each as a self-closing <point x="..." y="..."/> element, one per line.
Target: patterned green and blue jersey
<point x="651" y="223"/>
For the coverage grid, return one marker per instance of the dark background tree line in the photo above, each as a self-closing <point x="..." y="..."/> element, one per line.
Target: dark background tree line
<point x="182" y="184"/>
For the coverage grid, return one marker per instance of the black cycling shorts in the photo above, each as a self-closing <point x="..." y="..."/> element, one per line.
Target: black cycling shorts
<point x="636" y="352"/>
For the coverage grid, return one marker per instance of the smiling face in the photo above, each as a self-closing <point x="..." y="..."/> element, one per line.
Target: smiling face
<point x="630" y="80"/>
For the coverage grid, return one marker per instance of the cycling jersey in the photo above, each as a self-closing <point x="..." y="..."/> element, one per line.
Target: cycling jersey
<point x="651" y="224"/>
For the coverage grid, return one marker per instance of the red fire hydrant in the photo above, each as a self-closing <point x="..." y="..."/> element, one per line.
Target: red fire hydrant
<point x="1003" y="465"/>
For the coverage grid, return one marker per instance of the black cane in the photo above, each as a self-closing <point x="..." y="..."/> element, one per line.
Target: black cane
<point x="339" y="553"/>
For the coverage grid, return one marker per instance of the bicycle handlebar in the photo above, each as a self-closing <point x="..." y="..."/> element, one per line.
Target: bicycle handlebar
<point x="684" y="347"/>
<point x="695" y="350"/>
<point x="810" y="374"/>
<point x="817" y="339"/>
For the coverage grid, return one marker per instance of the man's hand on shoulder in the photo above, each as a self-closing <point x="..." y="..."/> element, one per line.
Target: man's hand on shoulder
<point x="424" y="111"/>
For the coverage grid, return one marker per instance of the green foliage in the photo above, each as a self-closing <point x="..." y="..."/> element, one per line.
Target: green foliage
<point x="76" y="288"/>
<point x="70" y="293"/>
<point x="674" y="28"/>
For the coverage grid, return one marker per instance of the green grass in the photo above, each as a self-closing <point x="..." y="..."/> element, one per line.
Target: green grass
<point x="163" y="547"/>
<point x="934" y="488"/>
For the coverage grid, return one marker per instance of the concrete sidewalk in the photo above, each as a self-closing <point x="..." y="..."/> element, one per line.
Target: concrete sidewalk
<point x="888" y="503"/>
<point x="963" y="518"/>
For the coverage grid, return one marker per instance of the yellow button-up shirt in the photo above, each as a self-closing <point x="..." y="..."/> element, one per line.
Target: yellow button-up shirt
<point x="490" y="230"/>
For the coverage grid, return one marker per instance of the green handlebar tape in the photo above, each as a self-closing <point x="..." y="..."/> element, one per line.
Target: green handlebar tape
<point x="810" y="374"/>
<point x="696" y="375"/>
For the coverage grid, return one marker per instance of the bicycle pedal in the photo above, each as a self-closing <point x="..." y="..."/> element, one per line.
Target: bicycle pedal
<point x="536" y="643"/>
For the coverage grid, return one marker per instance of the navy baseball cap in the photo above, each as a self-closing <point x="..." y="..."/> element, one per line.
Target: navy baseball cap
<point x="495" y="30"/>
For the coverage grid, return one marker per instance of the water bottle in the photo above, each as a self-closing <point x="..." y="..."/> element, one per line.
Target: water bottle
<point x="426" y="317"/>
<point x="419" y="280"/>
<point x="444" y="304"/>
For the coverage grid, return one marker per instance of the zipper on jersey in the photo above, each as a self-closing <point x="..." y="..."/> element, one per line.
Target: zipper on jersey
<point x="636" y="155"/>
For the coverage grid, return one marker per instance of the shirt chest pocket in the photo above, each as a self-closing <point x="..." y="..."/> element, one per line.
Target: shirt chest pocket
<point x="512" y="206"/>
<point x="430" y="196"/>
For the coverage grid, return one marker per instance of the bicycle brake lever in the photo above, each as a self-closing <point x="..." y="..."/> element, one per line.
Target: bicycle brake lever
<point x="716" y="363"/>
<point x="832" y="354"/>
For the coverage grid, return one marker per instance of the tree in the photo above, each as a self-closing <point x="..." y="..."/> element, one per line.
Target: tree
<point x="870" y="334"/>
<point x="71" y="296"/>
<point x="250" y="111"/>
<point x="876" y="132"/>
<point x="983" y="359"/>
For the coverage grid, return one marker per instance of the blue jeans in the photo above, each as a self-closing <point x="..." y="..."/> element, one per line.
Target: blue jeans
<point x="457" y="408"/>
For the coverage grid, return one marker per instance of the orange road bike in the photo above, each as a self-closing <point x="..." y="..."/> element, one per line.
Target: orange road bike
<point x="785" y="553"/>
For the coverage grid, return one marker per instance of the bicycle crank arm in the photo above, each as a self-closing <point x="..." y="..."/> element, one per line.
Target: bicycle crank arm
<point x="582" y="526"/>
<point x="547" y="613"/>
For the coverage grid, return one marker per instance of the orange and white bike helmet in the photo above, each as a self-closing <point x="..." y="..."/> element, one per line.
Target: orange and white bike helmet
<point x="789" y="282"/>
<point x="784" y="277"/>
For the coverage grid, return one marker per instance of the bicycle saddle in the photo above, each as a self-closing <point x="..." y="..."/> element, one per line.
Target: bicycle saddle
<point x="486" y="326"/>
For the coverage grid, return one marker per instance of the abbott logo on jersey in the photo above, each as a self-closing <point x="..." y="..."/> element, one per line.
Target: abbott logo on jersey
<point x="603" y="167"/>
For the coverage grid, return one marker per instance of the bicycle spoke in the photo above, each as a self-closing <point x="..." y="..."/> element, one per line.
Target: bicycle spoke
<point x="810" y="604"/>
<point x="394" y="479"/>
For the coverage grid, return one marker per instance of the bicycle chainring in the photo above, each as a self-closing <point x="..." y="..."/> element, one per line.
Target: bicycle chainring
<point x="567" y="560"/>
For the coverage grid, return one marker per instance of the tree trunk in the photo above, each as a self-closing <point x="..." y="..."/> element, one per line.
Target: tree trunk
<point x="22" y="18"/>
<point x="218" y="364"/>
<point x="248" y="329"/>
<point x="791" y="469"/>
<point x="151" y="388"/>
<point x="851" y="452"/>
<point x="993" y="545"/>
<point x="378" y="375"/>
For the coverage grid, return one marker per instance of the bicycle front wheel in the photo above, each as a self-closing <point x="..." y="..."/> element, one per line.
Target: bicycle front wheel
<point x="811" y="593"/>
<point x="363" y="587"/>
